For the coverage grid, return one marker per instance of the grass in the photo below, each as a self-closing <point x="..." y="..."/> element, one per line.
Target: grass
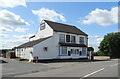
<point x="101" y="56"/>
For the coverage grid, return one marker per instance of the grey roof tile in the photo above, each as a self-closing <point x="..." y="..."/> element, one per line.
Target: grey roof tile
<point x="59" y="27"/>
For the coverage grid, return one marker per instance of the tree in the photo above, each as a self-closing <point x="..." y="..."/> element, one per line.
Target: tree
<point x="91" y="49"/>
<point x="110" y="45"/>
<point x="99" y="53"/>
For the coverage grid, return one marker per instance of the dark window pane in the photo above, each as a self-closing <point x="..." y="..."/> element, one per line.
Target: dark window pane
<point x="42" y="26"/>
<point x="73" y="40"/>
<point x="81" y="40"/>
<point x="80" y="53"/>
<point x="67" y="38"/>
<point x="69" y="53"/>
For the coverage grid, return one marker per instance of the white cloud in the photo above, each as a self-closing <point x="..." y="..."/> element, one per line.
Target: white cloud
<point x="8" y="18"/>
<point x="23" y="36"/>
<point x="10" y="43"/>
<point x="12" y="3"/>
<point x="96" y="36"/>
<point x="95" y="42"/>
<point x="19" y="39"/>
<point x="48" y="14"/>
<point x="102" y="17"/>
<point x="20" y="29"/>
<point x="4" y="30"/>
<point x="98" y="40"/>
<point x="3" y="35"/>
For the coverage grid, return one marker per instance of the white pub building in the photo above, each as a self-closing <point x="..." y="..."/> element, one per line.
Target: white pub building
<point x="54" y="41"/>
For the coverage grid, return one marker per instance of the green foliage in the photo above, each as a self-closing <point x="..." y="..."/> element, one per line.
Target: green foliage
<point x="91" y="49"/>
<point x="99" y="53"/>
<point x="110" y="45"/>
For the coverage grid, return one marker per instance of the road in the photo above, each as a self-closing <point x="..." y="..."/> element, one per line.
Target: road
<point x="87" y="69"/>
<point x="12" y="67"/>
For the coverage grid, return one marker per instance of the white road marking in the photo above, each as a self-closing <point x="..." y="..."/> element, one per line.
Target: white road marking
<point x="93" y="73"/>
<point x="114" y="65"/>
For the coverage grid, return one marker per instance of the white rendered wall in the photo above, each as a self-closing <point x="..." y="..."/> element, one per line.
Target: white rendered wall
<point x="48" y="31"/>
<point x="52" y="44"/>
<point x="24" y="53"/>
<point x="56" y="40"/>
<point x="56" y="34"/>
<point x="51" y="53"/>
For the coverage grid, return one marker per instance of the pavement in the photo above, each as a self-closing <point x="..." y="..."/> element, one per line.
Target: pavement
<point x="69" y="68"/>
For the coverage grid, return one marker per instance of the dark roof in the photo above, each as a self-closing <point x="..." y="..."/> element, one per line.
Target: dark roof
<point x="72" y="45"/>
<point x="32" y="43"/>
<point x="59" y="27"/>
<point x="32" y="36"/>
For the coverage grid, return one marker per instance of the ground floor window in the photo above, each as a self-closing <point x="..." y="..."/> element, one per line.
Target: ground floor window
<point x="63" y="50"/>
<point x="74" y="51"/>
<point x="84" y="51"/>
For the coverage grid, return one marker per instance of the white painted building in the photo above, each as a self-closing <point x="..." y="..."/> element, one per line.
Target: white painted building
<point x="55" y="41"/>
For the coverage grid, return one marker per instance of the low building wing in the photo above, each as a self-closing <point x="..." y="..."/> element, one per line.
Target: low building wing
<point x="32" y="43"/>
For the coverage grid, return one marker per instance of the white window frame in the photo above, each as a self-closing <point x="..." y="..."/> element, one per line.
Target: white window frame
<point x="42" y="26"/>
<point x="84" y="51"/>
<point x="74" y="51"/>
<point x="72" y="40"/>
<point x="67" y="38"/>
<point x="62" y="38"/>
<point x="63" y="50"/>
<point x="81" y="40"/>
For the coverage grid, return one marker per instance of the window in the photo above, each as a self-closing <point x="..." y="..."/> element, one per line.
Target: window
<point x="69" y="53"/>
<point x="67" y="38"/>
<point x="63" y="50"/>
<point x="81" y="40"/>
<point x="22" y="50"/>
<point x="62" y="38"/>
<point x="75" y="51"/>
<point x="45" y="48"/>
<point x="42" y="26"/>
<point x="31" y="52"/>
<point x="83" y="51"/>
<point x="73" y="40"/>
<point x="80" y="53"/>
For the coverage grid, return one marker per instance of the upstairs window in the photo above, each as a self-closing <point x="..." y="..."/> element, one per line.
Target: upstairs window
<point x="73" y="39"/>
<point x="42" y="26"/>
<point x="67" y="38"/>
<point x="81" y="40"/>
<point x="62" y="38"/>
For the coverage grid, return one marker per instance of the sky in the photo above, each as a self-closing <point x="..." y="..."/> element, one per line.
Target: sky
<point x="21" y="20"/>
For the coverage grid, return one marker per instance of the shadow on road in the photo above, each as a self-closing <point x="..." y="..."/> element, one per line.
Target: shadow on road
<point x="2" y="61"/>
<point x="71" y="60"/>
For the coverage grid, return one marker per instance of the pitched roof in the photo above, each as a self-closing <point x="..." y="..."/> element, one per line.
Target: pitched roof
<point x="32" y="43"/>
<point x="59" y="27"/>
